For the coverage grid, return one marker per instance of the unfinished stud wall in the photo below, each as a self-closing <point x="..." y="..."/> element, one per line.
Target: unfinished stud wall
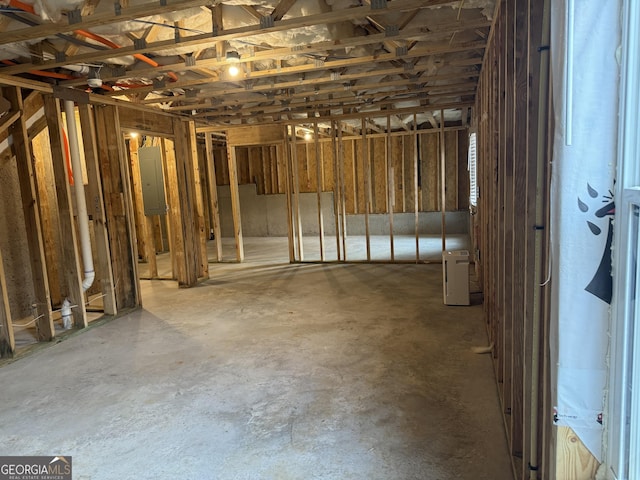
<point x="13" y="242"/>
<point x="513" y="126"/>
<point x="260" y="165"/>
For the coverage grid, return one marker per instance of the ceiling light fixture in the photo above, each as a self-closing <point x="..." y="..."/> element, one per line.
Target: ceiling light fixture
<point x="233" y="58"/>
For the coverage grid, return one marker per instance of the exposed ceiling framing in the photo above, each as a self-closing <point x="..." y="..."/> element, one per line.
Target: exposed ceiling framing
<point x="298" y="59"/>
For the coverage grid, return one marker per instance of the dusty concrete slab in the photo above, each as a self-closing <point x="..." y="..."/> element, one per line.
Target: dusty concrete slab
<point x="269" y="371"/>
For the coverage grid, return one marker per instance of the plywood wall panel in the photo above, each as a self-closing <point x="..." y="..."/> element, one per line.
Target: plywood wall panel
<point x="397" y="162"/>
<point x="379" y="174"/>
<point x="430" y="171"/>
<point x="349" y="177"/>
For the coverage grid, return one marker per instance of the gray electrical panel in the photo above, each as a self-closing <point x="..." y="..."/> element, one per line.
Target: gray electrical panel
<point x="152" y="181"/>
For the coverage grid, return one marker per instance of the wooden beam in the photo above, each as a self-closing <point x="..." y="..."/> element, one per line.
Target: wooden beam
<point x="336" y="16"/>
<point x="7" y="340"/>
<point x="146" y="243"/>
<point x="252" y="11"/>
<point x="285" y="151"/>
<point x="176" y="239"/>
<point x="311" y="67"/>
<point x="9" y="121"/>
<point x="367" y="185"/>
<point x="319" y="188"/>
<point x="416" y="200"/>
<point x="235" y="202"/>
<point x="281" y="9"/>
<point x="48" y="209"/>
<point x="296" y="194"/>
<point x="22" y="151"/>
<point x="95" y="20"/>
<point x="194" y="179"/>
<point x="443" y="193"/>
<point x="341" y="182"/>
<point x="117" y="193"/>
<point x="336" y="189"/>
<point x="95" y="202"/>
<point x="213" y="196"/>
<point x="71" y="263"/>
<point x="390" y="187"/>
<point x="304" y="94"/>
<point x="254" y="135"/>
<point x="189" y="228"/>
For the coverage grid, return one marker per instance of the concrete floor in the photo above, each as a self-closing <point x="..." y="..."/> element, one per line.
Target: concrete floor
<point x="269" y="371"/>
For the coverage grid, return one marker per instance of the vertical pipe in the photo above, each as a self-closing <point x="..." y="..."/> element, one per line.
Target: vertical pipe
<point x="81" y="202"/>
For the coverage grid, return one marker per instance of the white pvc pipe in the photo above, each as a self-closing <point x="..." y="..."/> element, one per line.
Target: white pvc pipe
<point x="78" y="68"/>
<point x="81" y="202"/>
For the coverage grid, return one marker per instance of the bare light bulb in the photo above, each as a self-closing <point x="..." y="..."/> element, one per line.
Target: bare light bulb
<point x="308" y="136"/>
<point x="234" y="70"/>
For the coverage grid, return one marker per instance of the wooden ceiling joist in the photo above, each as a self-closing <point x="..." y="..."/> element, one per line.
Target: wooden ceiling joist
<point x="98" y="20"/>
<point x="311" y="49"/>
<point x="335" y="16"/>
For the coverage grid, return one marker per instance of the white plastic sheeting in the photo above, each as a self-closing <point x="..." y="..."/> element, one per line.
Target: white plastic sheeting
<point x="585" y="73"/>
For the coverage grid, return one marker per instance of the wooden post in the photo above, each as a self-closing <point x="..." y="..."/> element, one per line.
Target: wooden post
<point x="117" y="192"/>
<point x="193" y="177"/>
<point x="71" y="263"/>
<point x="7" y="340"/>
<point x="213" y="196"/>
<point x="342" y="189"/>
<point x="48" y="210"/>
<point x="296" y="192"/>
<point x="235" y="202"/>
<point x="22" y="151"/>
<point x="354" y="174"/>
<point x="367" y="186"/>
<point x="174" y="225"/>
<point x="95" y="204"/>
<point x="190" y="224"/>
<point x="143" y="227"/>
<point x="416" y="202"/>
<point x="336" y="187"/>
<point x="319" y="190"/>
<point x="286" y="152"/>
<point x="390" y="186"/>
<point x="514" y="430"/>
<point x="443" y="195"/>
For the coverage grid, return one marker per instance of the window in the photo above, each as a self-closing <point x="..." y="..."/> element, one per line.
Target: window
<point x="623" y="403"/>
<point x="473" y="185"/>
